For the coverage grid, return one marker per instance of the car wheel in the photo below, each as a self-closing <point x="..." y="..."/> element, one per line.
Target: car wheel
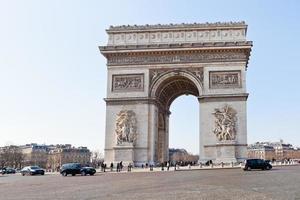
<point x="248" y="168"/>
<point x="43" y="173"/>
<point x="23" y="174"/>
<point x="73" y="174"/>
<point x="83" y="173"/>
<point x="64" y="174"/>
<point x="267" y="167"/>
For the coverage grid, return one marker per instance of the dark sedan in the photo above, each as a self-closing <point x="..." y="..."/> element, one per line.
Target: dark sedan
<point x="8" y="170"/>
<point x="32" y="170"/>
<point x="76" y="168"/>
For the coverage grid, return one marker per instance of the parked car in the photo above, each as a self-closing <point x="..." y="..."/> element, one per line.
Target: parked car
<point x="7" y="170"/>
<point x="257" y="164"/>
<point x="76" y="168"/>
<point x="87" y="170"/>
<point x="32" y="170"/>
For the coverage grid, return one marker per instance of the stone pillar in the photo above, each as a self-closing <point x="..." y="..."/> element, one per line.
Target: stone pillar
<point x="226" y="149"/>
<point x="167" y="137"/>
<point x="152" y="133"/>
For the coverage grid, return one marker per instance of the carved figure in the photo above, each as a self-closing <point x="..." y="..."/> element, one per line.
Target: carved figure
<point x="126" y="127"/>
<point x="225" y="123"/>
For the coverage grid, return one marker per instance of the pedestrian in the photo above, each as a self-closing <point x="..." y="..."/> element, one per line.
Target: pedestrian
<point x="168" y="165"/>
<point x="111" y="166"/>
<point x="104" y="166"/>
<point x="151" y="167"/>
<point x="162" y="166"/>
<point x="118" y="167"/>
<point x="129" y="167"/>
<point x="121" y="165"/>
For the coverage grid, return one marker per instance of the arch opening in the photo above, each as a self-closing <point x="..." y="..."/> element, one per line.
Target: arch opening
<point x="184" y="129"/>
<point x="172" y="87"/>
<point x="167" y="89"/>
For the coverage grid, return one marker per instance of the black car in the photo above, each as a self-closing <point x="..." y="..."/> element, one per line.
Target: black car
<point x="257" y="164"/>
<point x="32" y="170"/>
<point x="76" y="168"/>
<point x="87" y="170"/>
<point x="7" y="170"/>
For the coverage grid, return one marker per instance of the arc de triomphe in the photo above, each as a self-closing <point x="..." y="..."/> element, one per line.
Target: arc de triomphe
<point x="150" y="66"/>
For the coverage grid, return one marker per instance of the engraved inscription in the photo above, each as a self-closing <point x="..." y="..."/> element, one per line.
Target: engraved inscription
<point x="128" y="82"/>
<point x="225" y="79"/>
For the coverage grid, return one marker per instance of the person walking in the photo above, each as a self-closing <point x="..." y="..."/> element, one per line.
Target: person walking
<point x="129" y="167"/>
<point x="118" y="167"/>
<point x="121" y="165"/>
<point x="104" y="166"/>
<point x="168" y="165"/>
<point x="111" y="166"/>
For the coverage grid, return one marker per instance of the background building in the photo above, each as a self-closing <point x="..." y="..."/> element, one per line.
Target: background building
<point x="49" y="157"/>
<point x="182" y="156"/>
<point x="273" y="151"/>
<point x="35" y="154"/>
<point x="62" y="154"/>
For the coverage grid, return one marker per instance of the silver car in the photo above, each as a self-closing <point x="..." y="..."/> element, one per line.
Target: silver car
<point x="32" y="170"/>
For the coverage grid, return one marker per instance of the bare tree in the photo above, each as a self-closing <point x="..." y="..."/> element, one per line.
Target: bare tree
<point x="97" y="158"/>
<point x="11" y="156"/>
<point x="39" y="158"/>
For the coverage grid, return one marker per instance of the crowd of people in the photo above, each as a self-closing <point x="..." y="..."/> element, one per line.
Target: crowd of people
<point x="119" y="166"/>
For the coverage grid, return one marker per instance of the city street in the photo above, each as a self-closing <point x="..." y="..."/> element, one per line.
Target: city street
<point x="279" y="183"/>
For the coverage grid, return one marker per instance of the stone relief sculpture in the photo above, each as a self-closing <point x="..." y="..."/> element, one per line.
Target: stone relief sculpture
<point x="156" y="73"/>
<point x="128" y="82"/>
<point x="192" y="57"/>
<point x="126" y="127"/>
<point x="225" y="79"/>
<point x="225" y="123"/>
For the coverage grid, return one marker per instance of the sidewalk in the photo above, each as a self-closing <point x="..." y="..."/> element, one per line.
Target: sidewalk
<point x="187" y="168"/>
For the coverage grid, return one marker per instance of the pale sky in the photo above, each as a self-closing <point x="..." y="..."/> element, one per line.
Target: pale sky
<point x="53" y="78"/>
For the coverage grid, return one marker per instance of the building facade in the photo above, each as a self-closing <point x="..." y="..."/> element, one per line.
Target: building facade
<point x="62" y="154"/>
<point x="35" y="154"/>
<point x="278" y="151"/>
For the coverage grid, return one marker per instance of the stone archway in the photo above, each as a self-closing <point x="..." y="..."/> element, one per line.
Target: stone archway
<point x="165" y="89"/>
<point x="149" y="66"/>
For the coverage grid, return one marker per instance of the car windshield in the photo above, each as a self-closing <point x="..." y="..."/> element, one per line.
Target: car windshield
<point x="35" y="167"/>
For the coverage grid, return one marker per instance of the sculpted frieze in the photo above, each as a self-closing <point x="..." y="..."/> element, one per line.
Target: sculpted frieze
<point x="156" y="73"/>
<point x="128" y="82"/>
<point x="225" y="79"/>
<point x="191" y="57"/>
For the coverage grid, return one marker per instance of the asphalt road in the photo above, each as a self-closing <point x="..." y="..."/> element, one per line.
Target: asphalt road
<point x="279" y="183"/>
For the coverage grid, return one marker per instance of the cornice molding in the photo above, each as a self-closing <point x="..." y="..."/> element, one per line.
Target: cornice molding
<point x="182" y="56"/>
<point x="223" y="97"/>
<point x="148" y="27"/>
<point x="177" y="46"/>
